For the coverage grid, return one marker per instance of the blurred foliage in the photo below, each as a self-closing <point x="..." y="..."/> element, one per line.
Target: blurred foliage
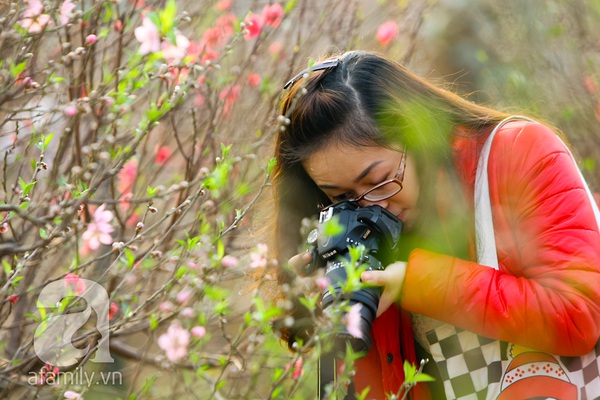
<point x="162" y="114"/>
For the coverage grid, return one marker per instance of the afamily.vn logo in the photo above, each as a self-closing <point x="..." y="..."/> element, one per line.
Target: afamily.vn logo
<point x="53" y="341"/>
<point x="49" y="375"/>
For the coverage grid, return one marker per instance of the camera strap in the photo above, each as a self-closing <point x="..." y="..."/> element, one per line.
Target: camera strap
<point x="327" y="375"/>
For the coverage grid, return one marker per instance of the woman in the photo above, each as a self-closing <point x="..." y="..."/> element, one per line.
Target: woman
<point x="358" y="122"/>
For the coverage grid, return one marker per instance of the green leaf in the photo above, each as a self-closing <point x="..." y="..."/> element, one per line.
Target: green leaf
<point x="153" y="322"/>
<point x="15" y="70"/>
<point x="421" y="377"/>
<point x="277" y="391"/>
<point x="33" y="317"/>
<point x="220" y="249"/>
<point x="55" y="79"/>
<point x="277" y="373"/>
<point x="44" y="142"/>
<point x="167" y="18"/>
<point x="152" y="16"/>
<point x="130" y="258"/>
<point x="180" y="272"/>
<point x="225" y="150"/>
<point x="7" y="267"/>
<point x="25" y="187"/>
<point x="172" y="37"/>
<point x="151" y="191"/>
<point x="218" y="177"/>
<point x="289" y="6"/>
<point x="409" y="370"/>
<point x="589" y="164"/>
<point x="243" y="189"/>
<point x="332" y="227"/>
<point x="47" y="140"/>
<point x="271" y="164"/>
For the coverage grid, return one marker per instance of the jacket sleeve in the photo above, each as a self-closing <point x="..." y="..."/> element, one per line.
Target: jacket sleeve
<point x="546" y="293"/>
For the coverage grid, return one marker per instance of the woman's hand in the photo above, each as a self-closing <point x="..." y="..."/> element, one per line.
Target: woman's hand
<point x="392" y="279"/>
<point x="299" y="261"/>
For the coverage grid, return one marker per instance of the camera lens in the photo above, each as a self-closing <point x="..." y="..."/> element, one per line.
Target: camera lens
<point x="367" y="297"/>
<point x="378" y="232"/>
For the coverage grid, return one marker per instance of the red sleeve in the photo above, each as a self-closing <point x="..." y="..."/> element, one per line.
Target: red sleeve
<point x="546" y="293"/>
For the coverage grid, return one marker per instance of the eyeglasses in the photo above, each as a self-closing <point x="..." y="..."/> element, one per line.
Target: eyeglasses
<point x="329" y="64"/>
<point x="388" y="188"/>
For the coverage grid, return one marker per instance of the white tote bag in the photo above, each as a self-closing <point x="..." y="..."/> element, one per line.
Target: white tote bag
<point x="473" y="367"/>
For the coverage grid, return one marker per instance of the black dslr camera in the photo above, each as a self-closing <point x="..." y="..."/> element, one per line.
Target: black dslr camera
<point x="379" y="231"/>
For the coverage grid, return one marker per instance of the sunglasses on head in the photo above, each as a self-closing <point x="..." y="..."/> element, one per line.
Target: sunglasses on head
<point x="325" y="65"/>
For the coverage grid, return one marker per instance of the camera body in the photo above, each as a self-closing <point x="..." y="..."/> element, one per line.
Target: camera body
<point x="378" y="231"/>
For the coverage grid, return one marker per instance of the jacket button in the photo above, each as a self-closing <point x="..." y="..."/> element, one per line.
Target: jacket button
<point x="390" y="358"/>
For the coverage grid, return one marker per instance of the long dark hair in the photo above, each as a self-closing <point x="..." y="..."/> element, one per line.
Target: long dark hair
<point x="365" y="100"/>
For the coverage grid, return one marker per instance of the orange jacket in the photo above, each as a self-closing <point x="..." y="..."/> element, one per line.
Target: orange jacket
<point x="546" y="293"/>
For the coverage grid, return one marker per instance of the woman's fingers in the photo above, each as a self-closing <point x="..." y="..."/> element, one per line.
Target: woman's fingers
<point x="386" y="300"/>
<point x="392" y="279"/>
<point x="298" y="261"/>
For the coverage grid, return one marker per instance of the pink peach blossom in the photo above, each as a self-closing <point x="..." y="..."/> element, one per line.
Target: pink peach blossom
<point x="166" y="307"/>
<point x="184" y="296"/>
<point x="148" y="36"/>
<point x="71" y="111"/>
<point x="229" y="262"/>
<point x="590" y="84"/>
<point x="199" y="331"/>
<point x="162" y="155"/>
<point x="75" y="283"/>
<point x="138" y="3"/>
<point x="218" y="35"/>
<point x="272" y="15"/>
<point x="66" y="11"/>
<point x="187" y="312"/>
<point x="258" y="258"/>
<point x="71" y="395"/>
<point x="113" y="309"/>
<point x="33" y="18"/>
<point x="387" y="32"/>
<point x="254" y="79"/>
<point x="127" y="176"/>
<point x="209" y="54"/>
<point x="212" y="37"/>
<point x="275" y="48"/>
<point x="226" y="24"/>
<point x="322" y="282"/>
<point x="297" y="371"/>
<point x="199" y="100"/>
<point x="174" y="342"/>
<point x="175" y="51"/>
<point x="352" y="321"/>
<point x="223" y="5"/>
<point x="99" y="230"/>
<point x="230" y="95"/>
<point x="254" y="25"/>
<point x="91" y="39"/>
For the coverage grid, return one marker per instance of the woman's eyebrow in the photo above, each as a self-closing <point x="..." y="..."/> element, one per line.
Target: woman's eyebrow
<point x="360" y="176"/>
<point x="366" y="171"/>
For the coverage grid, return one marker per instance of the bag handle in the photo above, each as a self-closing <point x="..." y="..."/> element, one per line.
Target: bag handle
<point x="484" y="223"/>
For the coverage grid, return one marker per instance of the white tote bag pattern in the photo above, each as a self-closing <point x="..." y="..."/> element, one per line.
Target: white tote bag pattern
<point x="473" y="367"/>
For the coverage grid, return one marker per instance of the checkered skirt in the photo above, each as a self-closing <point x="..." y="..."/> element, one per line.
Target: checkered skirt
<point x="473" y="368"/>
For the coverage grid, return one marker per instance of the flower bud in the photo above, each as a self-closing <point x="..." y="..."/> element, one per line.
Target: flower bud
<point x="91" y="39"/>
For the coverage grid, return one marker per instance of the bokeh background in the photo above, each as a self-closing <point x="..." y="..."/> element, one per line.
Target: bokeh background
<point x="135" y="139"/>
